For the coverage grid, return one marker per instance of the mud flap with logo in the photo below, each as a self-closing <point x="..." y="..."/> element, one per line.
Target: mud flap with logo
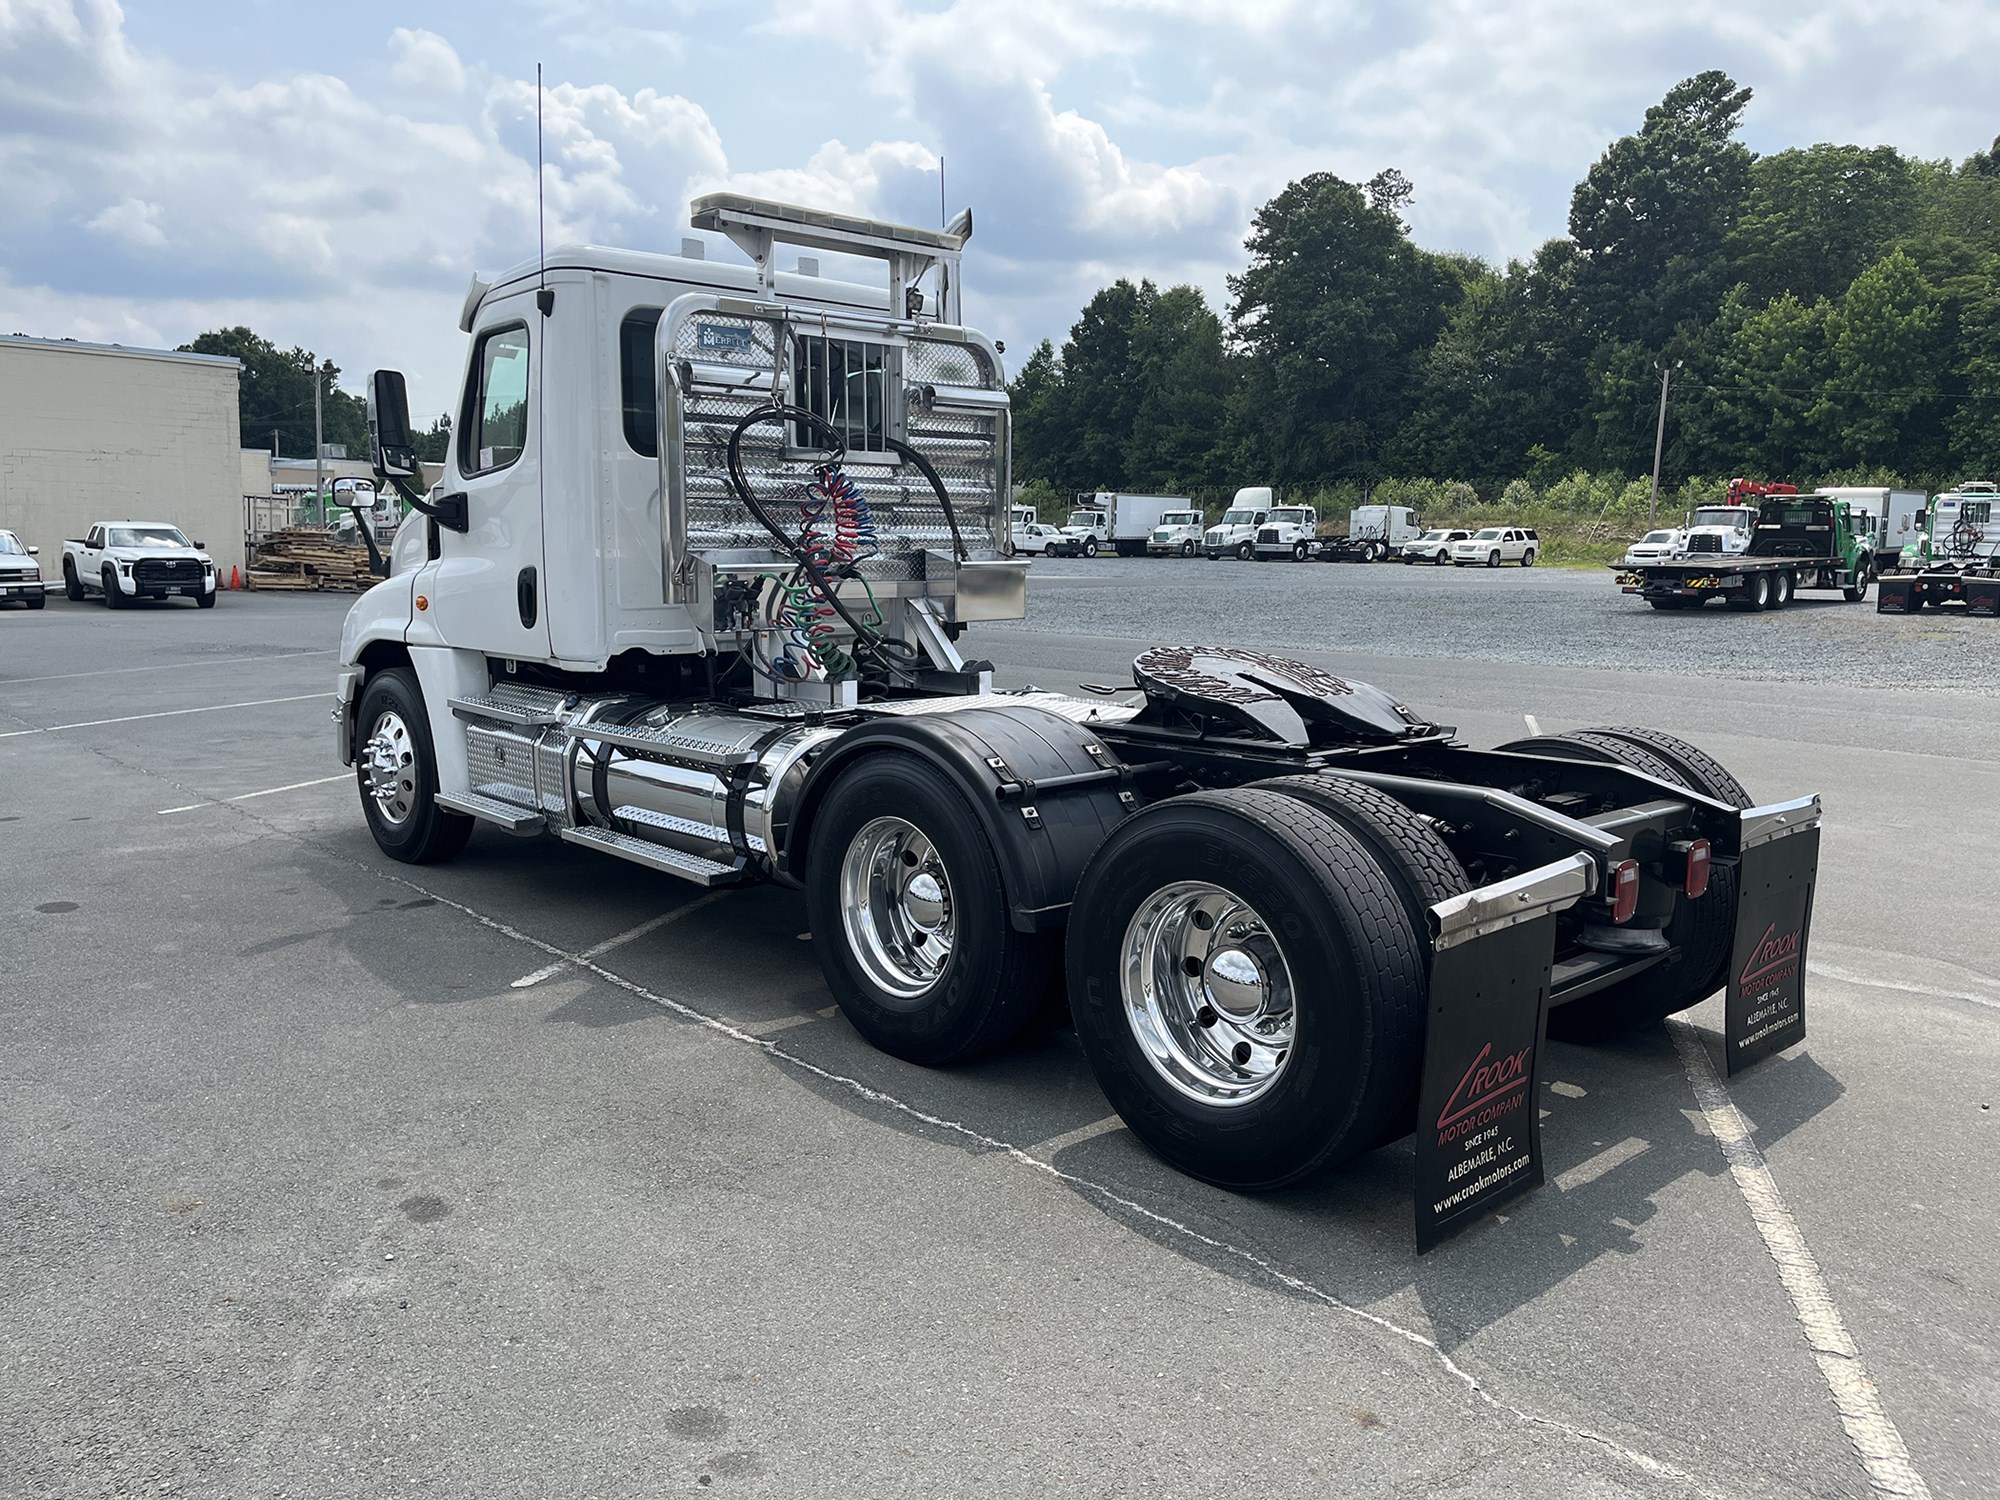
<point x="1478" y="1121"/>
<point x="1765" y="1010"/>
<point x="1894" y="596"/>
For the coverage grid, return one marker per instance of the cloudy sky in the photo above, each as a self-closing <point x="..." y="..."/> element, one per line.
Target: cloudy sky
<point x="332" y="174"/>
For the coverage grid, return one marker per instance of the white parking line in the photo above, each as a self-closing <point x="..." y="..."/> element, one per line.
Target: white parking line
<point x="1849" y="976"/>
<point x="1876" y="1441"/>
<point x="171" y="666"/>
<point x="269" y="791"/>
<point x="549" y="971"/>
<point x="1533" y="727"/>
<point x="206" y="708"/>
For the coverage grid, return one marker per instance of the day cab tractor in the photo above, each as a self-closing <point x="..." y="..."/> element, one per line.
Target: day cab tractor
<point x="1954" y="557"/>
<point x="697" y="591"/>
<point x="1800" y="542"/>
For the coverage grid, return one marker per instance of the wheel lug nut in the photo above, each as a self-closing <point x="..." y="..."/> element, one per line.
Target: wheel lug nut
<point x="1241" y="1054"/>
<point x="1206" y="1016"/>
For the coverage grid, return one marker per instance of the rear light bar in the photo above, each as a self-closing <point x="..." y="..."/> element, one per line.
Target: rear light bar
<point x="1624" y="890"/>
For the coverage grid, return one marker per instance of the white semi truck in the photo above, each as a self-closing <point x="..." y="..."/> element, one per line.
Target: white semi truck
<point x="1235" y="535"/>
<point x="1119" y="523"/>
<point x="695" y="594"/>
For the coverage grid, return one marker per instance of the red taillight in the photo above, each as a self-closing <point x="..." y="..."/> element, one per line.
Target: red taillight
<point x="1696" y="880"/>
<point x="1624" y="890"/>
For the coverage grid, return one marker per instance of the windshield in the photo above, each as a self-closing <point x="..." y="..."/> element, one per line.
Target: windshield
<point x="1657" y="536"/>
<point x="1238" y="517"/>
<point x="1086" y="518"/>
<point x="1490" y="534"/>
<point x="1433" y="536"/>
<point x="11" y="545"/>
<point x="1290" y="517"/>
<point x="1735" y="518"/>
<point x="159" y="538"/>
<point x="1181" y="518"/>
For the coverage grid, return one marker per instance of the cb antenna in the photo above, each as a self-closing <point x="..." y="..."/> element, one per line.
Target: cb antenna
<point x="544" y="298"/>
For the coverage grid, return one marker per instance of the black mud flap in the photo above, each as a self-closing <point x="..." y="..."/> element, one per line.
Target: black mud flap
<point x="1765" y="1011"/>
<point x="1894" y="596"/>
<point x="1479" y="1139"/>
<point x="1982" y="596"/>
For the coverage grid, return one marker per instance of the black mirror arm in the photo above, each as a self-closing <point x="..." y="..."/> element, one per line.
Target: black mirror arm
<point x="449" y="512"/>
<point x="377" y="563"/>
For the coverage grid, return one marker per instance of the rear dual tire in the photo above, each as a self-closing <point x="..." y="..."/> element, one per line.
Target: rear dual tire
<point x="1247" y="987"/>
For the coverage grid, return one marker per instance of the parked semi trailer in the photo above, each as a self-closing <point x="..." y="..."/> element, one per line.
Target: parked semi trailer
<point x="1952" y="557"/>
<point x="727" y="640"/>
<point x="1800" y="542"/>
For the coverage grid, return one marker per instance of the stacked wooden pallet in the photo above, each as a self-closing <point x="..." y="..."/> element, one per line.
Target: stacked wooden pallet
<point x="309" y="557"/>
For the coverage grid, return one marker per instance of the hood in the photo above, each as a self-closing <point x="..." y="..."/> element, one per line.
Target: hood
<point x="136" y="554"/>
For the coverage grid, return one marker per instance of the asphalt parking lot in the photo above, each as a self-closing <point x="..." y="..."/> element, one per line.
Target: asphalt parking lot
<point x="539" y="1174"/>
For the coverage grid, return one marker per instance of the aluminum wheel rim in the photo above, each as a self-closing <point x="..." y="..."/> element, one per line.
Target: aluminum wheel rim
<point x="1208" y="994"/>
<point x="897" y="907"/>
<point x="389" y="768"/>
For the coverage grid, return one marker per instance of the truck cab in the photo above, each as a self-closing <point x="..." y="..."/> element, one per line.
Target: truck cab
<point x="1288" y="531"/>
<point x="1177" y="535"/>
<point x="1089" y="527"/>
<point x="1721" y="530"/>
<point x="1236" y="533"/>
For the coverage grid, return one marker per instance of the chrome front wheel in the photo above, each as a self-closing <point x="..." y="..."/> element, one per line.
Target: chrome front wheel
<point x="389" y="768"/>
<point x="1207" y="993"/>
<point x="897" y="907"/>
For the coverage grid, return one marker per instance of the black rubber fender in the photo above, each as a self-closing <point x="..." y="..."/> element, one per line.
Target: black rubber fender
<point x="1042" y="856"/>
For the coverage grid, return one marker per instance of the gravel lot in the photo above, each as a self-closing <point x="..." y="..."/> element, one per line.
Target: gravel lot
<point x="1570" y="617"/>
<point x="523" y="1176"/>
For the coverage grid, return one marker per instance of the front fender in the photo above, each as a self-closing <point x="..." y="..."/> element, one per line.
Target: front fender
<point x="381" y="614"/>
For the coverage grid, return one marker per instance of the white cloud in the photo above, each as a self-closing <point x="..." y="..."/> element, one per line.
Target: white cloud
<point x="133" y="220"/>
<point x="425" y="60"/>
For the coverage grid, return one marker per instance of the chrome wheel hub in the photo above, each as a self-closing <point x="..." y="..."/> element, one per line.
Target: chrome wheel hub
<point x="1207" y="993"/>
<point x="896" y="908"/>
<point x="389" y="768"/>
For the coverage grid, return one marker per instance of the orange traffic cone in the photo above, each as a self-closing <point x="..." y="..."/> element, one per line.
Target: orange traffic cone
<point x="235" y="578"/>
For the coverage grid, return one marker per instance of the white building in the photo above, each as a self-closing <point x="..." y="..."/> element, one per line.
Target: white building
<point x="95" y="432"/>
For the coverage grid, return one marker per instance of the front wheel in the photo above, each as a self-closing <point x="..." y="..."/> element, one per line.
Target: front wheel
<point x="909" y="917"/>
<point x="395" y="768"/>
<point x="1090" y="546"/>
<point x="1247" y="987"/>
<point x="1300" y="551"/>
<point x="1187" y="549"/>
<point x="1050" y="550"/>
<point x="1245" y="552"/>
<point x="1855" y="592"/>
<point x="72" y="585"/>
<point x="207" y="600"/>
<point x="36" y="600"/>
<point x="114" y="597"/>
<point x="1493" y="559"/>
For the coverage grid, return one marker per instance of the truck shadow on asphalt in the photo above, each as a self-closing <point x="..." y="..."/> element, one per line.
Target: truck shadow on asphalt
<point x="1620" y="1130"/>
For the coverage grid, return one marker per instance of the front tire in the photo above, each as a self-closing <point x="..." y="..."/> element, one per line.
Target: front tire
<point x="207" y="600"/>
<point x="1300" y="551"/>
<point x="395" y="770"/>
<point x="1855" y="592"/>
<point x="114" y="597"/>
<point x="909" y="917"/>
<point x="36" y="600"/>
<point x="1187" y="549"/>
<point x="1090" y="546"/>
<point x="1247" y="987"/>
<point x="1493" y="559"/>
<point x="1245" y="552"/>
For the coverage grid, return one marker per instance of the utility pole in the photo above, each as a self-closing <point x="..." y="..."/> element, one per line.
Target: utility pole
<point x="319" y="445"/>
<point x="1659" y="443"/>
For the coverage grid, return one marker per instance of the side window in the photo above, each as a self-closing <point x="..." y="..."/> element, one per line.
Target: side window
<point x="494" y="427"/>
<point x="638" y="390"/>
<point x="94" y="538"/>
<point x="1976" y="512"/>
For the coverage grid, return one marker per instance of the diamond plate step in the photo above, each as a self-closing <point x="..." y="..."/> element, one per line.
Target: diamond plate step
<point x="665" y="742"/>
<point x="657" y="856"/>
<point x="503" y="710"/>
<point x="492" y="810"/>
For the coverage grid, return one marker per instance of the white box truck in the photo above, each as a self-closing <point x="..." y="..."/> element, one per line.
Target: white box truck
<point x="1119" y="523"/>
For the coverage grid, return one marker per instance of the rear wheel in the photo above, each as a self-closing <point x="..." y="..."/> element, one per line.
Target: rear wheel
<point x="1247" y="987"/>
<point x="1783" y="586"/>
<point x="72" y="585"/>
<point x="909" y="918"/>
<point x="395" y="768"/>
<point x="1528" y="558"/>
<point x="1700" y="930"/>
<point x="1754" y="595"/>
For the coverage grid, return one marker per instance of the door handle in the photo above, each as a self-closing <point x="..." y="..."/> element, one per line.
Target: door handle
<point x="524" y="596"/>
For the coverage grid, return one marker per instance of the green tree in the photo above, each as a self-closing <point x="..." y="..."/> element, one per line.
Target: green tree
<point x="432" y="446"/>
<point x="1814" y="218"/>
<point x="1335" y="310"/>
<point x="276" y="395"/>
<point x="1973" y="428"/>
<point x="1101" y="384"/>
<point x="1757" y="414"/>
<point x="1651" y="217"/>
<point x="1184" y="382"/>
<point x="1041" y="419"/>
<point x="1881" y="405"/>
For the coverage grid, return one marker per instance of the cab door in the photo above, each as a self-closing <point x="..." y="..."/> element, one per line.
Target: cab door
<point x="488" y="588"/>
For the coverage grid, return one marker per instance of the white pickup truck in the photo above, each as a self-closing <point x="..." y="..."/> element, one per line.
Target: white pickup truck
<point x="127" y="560"/>
<point x="20" y="574"/>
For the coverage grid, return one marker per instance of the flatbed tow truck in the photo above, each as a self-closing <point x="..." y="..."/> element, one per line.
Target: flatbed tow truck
<point x="1800" y="542"/>
<point x="713" y="621"/>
